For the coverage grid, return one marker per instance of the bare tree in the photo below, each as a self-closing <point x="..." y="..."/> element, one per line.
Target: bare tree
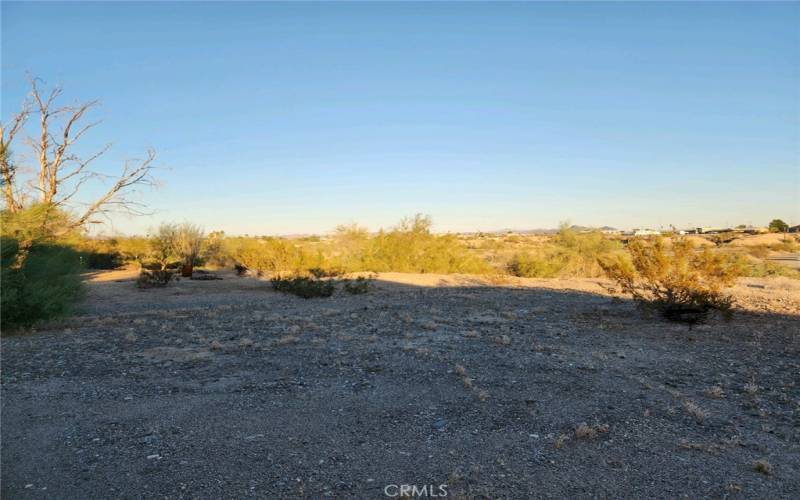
<point x="8" y="169"/>
<point x="61" y="173"/>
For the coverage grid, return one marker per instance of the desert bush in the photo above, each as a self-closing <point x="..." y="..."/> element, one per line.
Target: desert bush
<point x="683" y="285"/>
<point x="45" y="286"/>
<point x="303" y="286"/>
<point x="272" y="255"/>
<point x="188" y="243"/>
<point x="157" y="278"/>
<point x="411" y="247"/>
<point x="102" y="260"/>
<point x="213" y="251"/>
<point x="568" y="254"/>
<point x="528" y="265"/>
<point x="358" y="286"/>
<point x="164" y="244"/>
<point x="319" y="272"/>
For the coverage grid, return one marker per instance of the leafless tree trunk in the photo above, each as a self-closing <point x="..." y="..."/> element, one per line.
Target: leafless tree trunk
<point x="7" y="167"/>
<point x="61" y="174"/>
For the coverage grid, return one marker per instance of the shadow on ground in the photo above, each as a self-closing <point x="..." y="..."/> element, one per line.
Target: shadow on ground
<point x="229" y="389"/>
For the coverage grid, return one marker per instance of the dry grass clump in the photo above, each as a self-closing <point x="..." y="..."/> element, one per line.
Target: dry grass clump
<point x="713" y="449"/>
<point x="751" y="388"/>
<point x="715" y="392"/>
<point x="287" y="339"/>
<point x="469" y="382"/>
<point x="695" y="411"/>
<point x="763" y="466"/>
<point x="154" y="279"/>
<point x="683" y="285"/>
<point x="502" y="340"/>
<point x="584" y="431"/>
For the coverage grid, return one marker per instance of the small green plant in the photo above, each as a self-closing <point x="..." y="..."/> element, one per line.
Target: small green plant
<point x="302" y="286"/>
<point x="358" y="286"/>
<point x="683" y="285"/>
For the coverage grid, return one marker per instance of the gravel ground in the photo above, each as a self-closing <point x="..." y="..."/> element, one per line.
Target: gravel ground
<point x="541" y="389"/>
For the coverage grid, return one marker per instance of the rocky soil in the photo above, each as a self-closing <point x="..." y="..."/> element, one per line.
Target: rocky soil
<point x="527" y="389"/>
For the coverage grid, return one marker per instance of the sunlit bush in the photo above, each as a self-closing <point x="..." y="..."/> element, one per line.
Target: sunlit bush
<point x="683" y="285"/>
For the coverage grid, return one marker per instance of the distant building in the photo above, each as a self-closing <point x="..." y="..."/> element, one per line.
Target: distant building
<point x="794" y="229"/>
<point x="712" y="230"/>
<point x="646" y="232"/>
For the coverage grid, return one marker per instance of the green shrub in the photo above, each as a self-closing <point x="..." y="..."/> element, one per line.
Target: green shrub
<point x="304" y="287"/>
<point x="683" y="285"/>
<point x="568" y="254"/>
<point x="411" y="247"/>
<point x="46" y="286"/>
<point x="271" y="255"/>
<point x="527" y="265"/>
<point x="101" y="260"/>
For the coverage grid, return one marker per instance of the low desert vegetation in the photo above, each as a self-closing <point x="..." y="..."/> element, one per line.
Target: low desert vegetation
<point x="304" y="286"/>
<point x="682" y="283"/>
<point x="40" y="273"/>
<point x="567" y="254"/>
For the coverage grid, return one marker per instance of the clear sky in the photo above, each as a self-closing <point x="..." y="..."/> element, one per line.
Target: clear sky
<point x="293" y="118"/>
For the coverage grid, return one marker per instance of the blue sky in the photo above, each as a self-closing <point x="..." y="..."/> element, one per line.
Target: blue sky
<point x="293" y="118"/>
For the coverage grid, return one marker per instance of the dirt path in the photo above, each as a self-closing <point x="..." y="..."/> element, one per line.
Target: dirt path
<point x="226" y="389"/>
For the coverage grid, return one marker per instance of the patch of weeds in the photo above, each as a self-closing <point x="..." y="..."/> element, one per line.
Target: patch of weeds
<point x="715" y="392"/>
<point x="358" y="286"/>
<point x="751" y="388"/>
<point x="154" y="279"/>
<point x="469" y="382"/>
<point x="560" y="440"/>
<point x="304" y="287"/>
<point x="288" y="339"/>
<point x="319" y="272"/>
<point x="695" y="411"/>
<point x="584" y="431"/>
<point x="763" y="467"/>
<point x="712" y="449"/>
<point x="502" y="340"/>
